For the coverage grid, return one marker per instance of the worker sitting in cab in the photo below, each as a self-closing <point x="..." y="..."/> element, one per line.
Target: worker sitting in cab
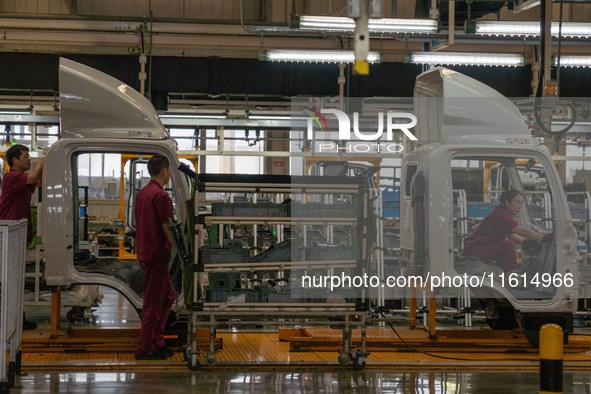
<point x="493" y="240"/>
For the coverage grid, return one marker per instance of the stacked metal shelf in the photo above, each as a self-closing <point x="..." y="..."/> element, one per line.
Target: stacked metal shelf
<point x="13" y="246"/>
<point x="286" y="302"/>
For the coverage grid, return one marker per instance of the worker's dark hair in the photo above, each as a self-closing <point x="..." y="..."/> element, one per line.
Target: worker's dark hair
<point x="507" y="196"/>
<point x="14" y="152"/>
<point x="156" y="164"/>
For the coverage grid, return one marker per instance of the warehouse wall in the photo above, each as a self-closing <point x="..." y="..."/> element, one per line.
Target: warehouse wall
<point x="248" y="76"/>
<point x="253" y="10"/>
<point x="190" y="9"/>
<point x="221" y="10"/>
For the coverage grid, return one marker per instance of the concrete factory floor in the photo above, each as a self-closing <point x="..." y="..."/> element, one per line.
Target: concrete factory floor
<point x="264" y="361"/>
<point x="342" y="381"/>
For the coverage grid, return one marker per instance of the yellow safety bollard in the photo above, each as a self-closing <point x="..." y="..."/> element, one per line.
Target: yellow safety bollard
<point x="551" y="354"/>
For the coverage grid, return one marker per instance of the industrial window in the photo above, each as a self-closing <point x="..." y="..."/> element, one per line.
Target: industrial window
<point x="478" y="183"/>
<point x="21" y="134"/>
<point x="411" y="170"/>
<point x="234" y="141"/>
<point x="100" y="172"/>
<point x="47" y="135"/>
<point x="16" y="133"/>
<point x="185" y="138"/>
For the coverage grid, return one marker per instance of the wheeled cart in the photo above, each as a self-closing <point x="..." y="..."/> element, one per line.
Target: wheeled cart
<point x="272" y="287"/>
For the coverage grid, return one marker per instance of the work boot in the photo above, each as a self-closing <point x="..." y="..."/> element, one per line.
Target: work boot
<point x="150" y="356"/>
<point x="29" y="325"/>
<point x="165" y="351"/>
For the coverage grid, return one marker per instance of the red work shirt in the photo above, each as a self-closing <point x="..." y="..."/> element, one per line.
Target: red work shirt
<point x="495" y="226"/>
<point x="153" y="207"/>
<point x="15" y="201"/>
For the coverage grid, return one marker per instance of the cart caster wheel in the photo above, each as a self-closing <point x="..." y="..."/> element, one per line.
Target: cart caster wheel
<point x="193" y="363"/>
<point x="210" y="359"/>
<point x="344" y="359"/>
<point x="187" y="353"/>
<point x="71" y="316"/>
<point x="359" y="363"/>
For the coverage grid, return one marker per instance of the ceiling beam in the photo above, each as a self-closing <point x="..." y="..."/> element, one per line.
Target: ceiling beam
<point x="84" y="35"/>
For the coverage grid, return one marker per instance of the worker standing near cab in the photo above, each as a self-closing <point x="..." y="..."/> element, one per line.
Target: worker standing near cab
<point x="153" y="210"/>
<point x="17" y="189"/>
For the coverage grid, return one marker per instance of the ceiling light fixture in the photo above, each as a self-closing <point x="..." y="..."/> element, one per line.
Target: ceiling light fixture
<point x="270" y="117"/>
<point x="314" y="56"/>
<point x="527" y="28"/>
<point x="465" y="59"/>
<point x="15" y="111"/>
<point x="337" y="24"/>
<point x="193" y="116"/>
<point x="573" y="61"/>
<point x="294" y="117"/>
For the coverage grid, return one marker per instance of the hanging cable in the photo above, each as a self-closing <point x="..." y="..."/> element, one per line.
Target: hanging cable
<point x="262" y="41"/>
<point x="141" y="28"/>
<point x="227" y="110"/>
<point x="431" y="354"/>
<point x="542" y="63"/>
<point x="538" y="105"/>
<point x="538" y="118"/>
<point x="559" y="45"/>
<point x="150" y="52"/>
<point x="246" y="110"/>
<point x="242" y="18"/>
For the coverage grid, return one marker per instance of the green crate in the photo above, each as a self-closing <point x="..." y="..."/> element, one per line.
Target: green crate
<point x="321" y="253"/>
<point x="245" y="209"/>
<point x="224" y="280"/>
<point x="218" y="255"/>
<point x="316" y="210"/>
<point x="223" y="295"/>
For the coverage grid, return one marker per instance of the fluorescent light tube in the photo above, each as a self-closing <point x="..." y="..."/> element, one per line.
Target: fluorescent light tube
<point x="530" y="28"/>
<point x="14" y="112"/>
<point x="573" y="61"/>
<point x="315" y="56"/>
<point x="378" y="26"/>
<point x="193" y="116"/>
<point x="467" y="59"/>
<point x="270" y="117"/>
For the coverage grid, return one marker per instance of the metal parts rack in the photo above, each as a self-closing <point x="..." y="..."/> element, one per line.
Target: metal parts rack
<point x="276" y="293"/>
<point x="13" y="236"/>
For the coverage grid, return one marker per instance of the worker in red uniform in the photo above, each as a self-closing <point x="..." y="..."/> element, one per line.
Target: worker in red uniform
<point x="153" y="210"/>
<point x="17" y="188"/>
<point x="493" y="241"/>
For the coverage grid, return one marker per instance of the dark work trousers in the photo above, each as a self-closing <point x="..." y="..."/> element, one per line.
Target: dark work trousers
<point x="503" y="252"/>
<point x="159" y="295"/>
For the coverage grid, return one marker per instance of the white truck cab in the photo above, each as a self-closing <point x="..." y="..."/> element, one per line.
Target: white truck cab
<point x="99" y="114"/>
<point x="462" y="124"/>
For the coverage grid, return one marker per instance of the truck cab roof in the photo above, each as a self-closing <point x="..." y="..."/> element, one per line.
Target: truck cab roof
<point x="453" y="108"/>
<point x="96" y="105"/>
